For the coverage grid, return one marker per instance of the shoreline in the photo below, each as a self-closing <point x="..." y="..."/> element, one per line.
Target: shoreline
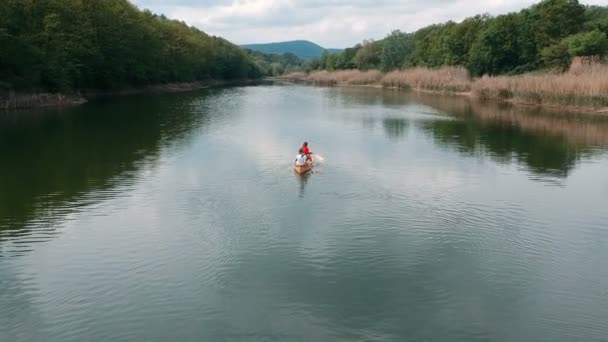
<point x="466" y="94"/>
<point x="24" y="100"/>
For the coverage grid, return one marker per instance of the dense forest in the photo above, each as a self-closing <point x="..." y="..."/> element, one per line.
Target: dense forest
<point x="66" y="45"/>
<point x="270" y="64"/>
<point x="547" y="35"/>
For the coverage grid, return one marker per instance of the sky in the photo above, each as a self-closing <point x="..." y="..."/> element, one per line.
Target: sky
<point x="329" y="23"/>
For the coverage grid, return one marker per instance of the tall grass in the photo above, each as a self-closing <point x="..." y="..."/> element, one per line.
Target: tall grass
<point x="295" y="76"/>
<point x="353" y="77"/>
<point x="450" y="79"/>
<point x="584" y="84"/>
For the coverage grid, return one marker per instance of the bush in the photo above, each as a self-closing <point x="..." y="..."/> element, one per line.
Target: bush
<point x="594" y="43"/>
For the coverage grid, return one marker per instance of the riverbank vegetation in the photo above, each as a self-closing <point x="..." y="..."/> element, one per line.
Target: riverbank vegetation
<point x="585" y="84"/>
<point x="276" y="65"/>
<point x="71" y="45"/>
<point x="552" y="53"/>
<point x="548" y="35"/>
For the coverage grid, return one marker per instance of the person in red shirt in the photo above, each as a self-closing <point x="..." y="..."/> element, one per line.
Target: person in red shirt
<point x="306" y="150"/>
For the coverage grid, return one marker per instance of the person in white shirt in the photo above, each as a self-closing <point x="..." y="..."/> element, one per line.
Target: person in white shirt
<point x="301" y="158"/>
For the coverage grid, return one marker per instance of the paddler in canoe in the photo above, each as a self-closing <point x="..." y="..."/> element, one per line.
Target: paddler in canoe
<point x="307" y="151"/>
<point x="303" y="162"/>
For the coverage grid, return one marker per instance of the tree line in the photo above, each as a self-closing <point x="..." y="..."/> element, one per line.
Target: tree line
<point x="65" y="45"/>
<point x="546" y="35"/>
<point x="270" y="64"/>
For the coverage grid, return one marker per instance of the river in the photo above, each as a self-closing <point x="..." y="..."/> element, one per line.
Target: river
<point x="179" y="217"/>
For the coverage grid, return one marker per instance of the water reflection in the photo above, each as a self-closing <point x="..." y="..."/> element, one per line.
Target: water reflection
<point x="303" y="180"/>
<point x="83" y="155"/>
<point x="546" y="142"/>
<point x="218" y="245"/>
<point x="395" y="128"/>
<point x="368" y="96"/>
<point x="577" y="128"/>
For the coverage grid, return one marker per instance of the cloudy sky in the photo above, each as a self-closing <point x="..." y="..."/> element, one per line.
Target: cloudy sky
<point x="330" y="23"/>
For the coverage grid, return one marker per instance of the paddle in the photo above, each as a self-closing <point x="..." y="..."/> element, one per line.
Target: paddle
<point x="318" y="157"/>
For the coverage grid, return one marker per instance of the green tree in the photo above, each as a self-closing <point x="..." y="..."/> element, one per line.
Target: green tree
<point x="557" y="56"/>
<point x="423" y="42"/>
<point x="394" y="49"/>
<point x="323" y="60"/>
<point x="508" y="44"/>
<point x="460" y="38"/>
<point x="347" y="58"/>
<point x="63" y="45"/>
<point x="594" y="43"/>
<point x="498" y="49"/>
<point x="368" y="56"/>
<point x="557" y="19"/>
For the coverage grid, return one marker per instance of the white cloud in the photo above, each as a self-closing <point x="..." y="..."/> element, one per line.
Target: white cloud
<point x="331" y="23"/>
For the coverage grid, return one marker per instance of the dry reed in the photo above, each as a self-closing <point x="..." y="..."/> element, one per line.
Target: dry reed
<point x="449" y="79"/>
<point x="353" y="77"/>
<point x="584" y="84"/>
<point x="295" y="76"/>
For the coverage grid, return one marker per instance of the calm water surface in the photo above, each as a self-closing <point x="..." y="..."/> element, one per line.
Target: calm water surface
<point x="178" y="217"/>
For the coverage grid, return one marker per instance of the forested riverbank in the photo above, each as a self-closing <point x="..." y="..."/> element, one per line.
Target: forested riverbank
<point x="53" y="47"/>
<point x="552" y="53"/>
<point x="547" y="35"/>
<point x="12" y="100"/>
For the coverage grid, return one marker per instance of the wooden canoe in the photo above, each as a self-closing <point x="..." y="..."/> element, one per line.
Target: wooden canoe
<point x="302" y="169"/>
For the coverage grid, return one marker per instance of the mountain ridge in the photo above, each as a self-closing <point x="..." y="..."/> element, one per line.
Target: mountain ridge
<point x="303" y="49"/>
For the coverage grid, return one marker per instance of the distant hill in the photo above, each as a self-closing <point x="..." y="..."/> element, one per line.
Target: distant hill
<point x="301" y="48"/>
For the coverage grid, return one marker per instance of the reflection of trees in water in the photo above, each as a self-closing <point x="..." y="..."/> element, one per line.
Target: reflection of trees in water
<point x="546" y="142"/>
<point x="541" y="153"/>
<point x="576" y="128"/>
<point x="55" y="159"/>
<point x="395" y="128"/>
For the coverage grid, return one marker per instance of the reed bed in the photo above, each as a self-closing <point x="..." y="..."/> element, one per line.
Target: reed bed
<point x="450" y="79"/>
<point x="295" y="76"/>
<point x="365" y="77"/>
<point x="447" y="79"/>
<point x="585" y="84"/>
<point x="352" y="77"/>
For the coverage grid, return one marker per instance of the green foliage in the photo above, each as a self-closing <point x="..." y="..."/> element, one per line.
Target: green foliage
<point x="499" y="47"/>
<point x="368" y="56"/>
<point x="63" y="45"/>
<point x="514" y="43"/>
<point x="346" y="59"/>
<point x="557" y="56"/>
<point x="594" y="43"/>
<point x="460" y="38"/>
<point x="557" y="19"/>
<point x="600" y="24"/>
<point x="394" y="49"/>
<point x="276" y="65"/>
